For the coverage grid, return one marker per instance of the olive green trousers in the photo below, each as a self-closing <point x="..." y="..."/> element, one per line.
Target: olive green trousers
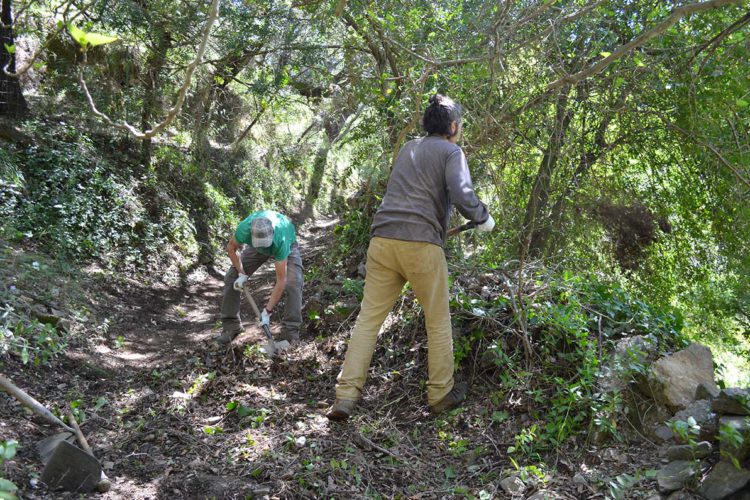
<point x="390" y="264"/>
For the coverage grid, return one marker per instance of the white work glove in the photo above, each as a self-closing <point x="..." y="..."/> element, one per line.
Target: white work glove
<point x="487" y="225"/>
<point x="265" y="317"/>
<point x="239" y="283"/>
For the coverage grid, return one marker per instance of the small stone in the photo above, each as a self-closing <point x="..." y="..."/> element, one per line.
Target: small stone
<point x="689" y="452"/>
<point x="580" y="479"/>
<point x="675" y="475"/>
<point x="723" y="480"/>
<point x="512" y="485"/>
<point x="282" y="345"/>
<point x="663" y="432"/>
<point x="108" y="465"/>
<point x="544" y="495"/>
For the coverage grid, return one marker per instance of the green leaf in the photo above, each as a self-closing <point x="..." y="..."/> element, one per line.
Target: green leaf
<point x="89" y="39"/>
<point x="742" y="103"/>
<point x="9" y="449"/>
<point x="605" y="54"/>
<point x="231" y="405"/>
<point x="98" y="39"/>
<point x="78" y="34"/>
<point x="244" y="411"/>
<point x="6" y="485"/>
<point x="10" y="48"/>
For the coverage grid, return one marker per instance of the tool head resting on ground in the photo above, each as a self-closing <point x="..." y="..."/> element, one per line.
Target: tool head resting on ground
<point x="270" y="346"/>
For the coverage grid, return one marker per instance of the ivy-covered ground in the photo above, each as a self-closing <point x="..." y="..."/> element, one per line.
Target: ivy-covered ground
<point x="172" y="416"/>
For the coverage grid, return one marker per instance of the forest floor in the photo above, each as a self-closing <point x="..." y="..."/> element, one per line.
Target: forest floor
<point x="172" y="415"/>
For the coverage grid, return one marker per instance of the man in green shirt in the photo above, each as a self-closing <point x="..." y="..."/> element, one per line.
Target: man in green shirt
<point x="264" y="234"/>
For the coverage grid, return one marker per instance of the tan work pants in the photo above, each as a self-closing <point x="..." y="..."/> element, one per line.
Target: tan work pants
<point x="390" y="264"/>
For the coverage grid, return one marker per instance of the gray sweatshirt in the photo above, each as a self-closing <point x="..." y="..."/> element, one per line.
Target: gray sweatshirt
<point x="430" y="175"/>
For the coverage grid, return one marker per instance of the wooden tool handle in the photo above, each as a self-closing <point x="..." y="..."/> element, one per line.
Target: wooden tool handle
<point x="104" y="483"/>
<point x="252" y="303"/>
<point x="78" y="433"/>
<point x="464" y="227"/>
<point x="31" y="403"/>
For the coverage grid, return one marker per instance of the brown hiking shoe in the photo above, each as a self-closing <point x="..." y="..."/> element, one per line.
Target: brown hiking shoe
<point x="341" y="409"/>
<point x="451" y="400"/>
<point x="227" y="337"/>
<point x="291" y="337"/>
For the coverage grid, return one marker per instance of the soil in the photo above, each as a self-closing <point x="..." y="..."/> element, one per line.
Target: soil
<point x="179" y="417"/>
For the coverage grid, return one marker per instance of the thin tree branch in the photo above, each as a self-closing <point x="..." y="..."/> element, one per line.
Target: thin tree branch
<point x="419" y="89"/>
<point x="677" y="14"/>
<point x="735" y="170"/>
<point x="716" y="41"/>
<point x="213" y="14"/>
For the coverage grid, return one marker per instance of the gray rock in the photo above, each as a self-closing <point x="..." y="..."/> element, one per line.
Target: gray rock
<point x="663" y="432"/>
<point x="742" y="426"/>
<point x="688" y="452"/>
<point x="682" y="495"/>
<point x="673" y="379"/>
<point x="705" y="418"/>
<point x="675" y="475"/>
<point x="616" y="375"/>
<point x="545" y="495"/>
<point x="723" y="480"/>
<point x="741" y="495"/>
<point x="512" y="485"/>
<point x="706" y="392"/>
<point x="733" y="401"/>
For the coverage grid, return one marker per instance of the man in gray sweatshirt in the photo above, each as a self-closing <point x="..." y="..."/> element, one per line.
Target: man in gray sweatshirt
<point x="408" y="232"/>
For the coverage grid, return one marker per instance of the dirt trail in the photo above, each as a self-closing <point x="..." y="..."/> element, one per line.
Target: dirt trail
<point x="173" y="384"/>
<point x="171" y="415"/>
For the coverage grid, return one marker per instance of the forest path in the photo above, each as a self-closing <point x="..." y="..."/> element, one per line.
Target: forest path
<point x="172" y="415"/>
<point x="165" y="431"/>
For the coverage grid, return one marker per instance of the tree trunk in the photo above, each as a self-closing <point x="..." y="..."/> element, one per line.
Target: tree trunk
<point x="531" y="236"/>
<point x="12" y="102"/>
<point x="154" y="65"/>
<point x="333" y="128"/>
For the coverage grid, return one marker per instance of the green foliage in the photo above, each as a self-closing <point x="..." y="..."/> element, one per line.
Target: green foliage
<point x="7" y="452"/>
<point x="83" y="206"/>
<point x="573" y="322"/>
<point x="86" y="40"/>
<point x="686" y="430"/>
<point x="731" y="439"/>
<point x="25" y="331"/>
<point x="619" y="486"/>
<point x="354" y="287"/>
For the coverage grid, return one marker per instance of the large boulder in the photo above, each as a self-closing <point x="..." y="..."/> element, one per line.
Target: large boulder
<point x="673" y="380"/>
<point x="723" y="480"/>
<point x="732" y="401"/>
